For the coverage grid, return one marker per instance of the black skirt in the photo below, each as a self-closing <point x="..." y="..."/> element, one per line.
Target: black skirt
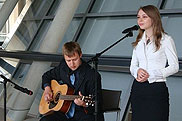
<point x="149" y="102"/>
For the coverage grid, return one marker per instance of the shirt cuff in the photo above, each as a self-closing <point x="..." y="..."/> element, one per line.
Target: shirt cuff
<point x="136" y="73"/>
<point x="45" y="85"/>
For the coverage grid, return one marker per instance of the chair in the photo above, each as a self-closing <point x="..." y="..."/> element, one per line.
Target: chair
<point x="111" y="100"/>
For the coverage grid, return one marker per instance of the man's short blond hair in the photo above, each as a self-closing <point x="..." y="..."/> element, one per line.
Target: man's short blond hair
<point x="70" y="48"/>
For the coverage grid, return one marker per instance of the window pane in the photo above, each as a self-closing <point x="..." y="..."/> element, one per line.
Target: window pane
<point x="39" y="8"/>
<point x="54" y="7"/>
<point x="83" y="6"/>
<point x="172" y="26"/>
<point x="121" y="5"/>
<point x="117" y="81"/>
<point x="174" y="86"/>
<point x="40" y="35"/>
<point x="173" y="4"/>
<point x="23" y="35"/>
<point x="100" y="33"/>
<point x="70" y="32"/>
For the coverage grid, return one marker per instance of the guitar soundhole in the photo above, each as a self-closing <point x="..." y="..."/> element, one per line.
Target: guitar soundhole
<point x="56" y="99"/>
<point x="52" y="104"/>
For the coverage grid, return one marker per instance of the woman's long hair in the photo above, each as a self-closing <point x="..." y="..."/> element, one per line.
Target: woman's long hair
<point x="154" y="14"/>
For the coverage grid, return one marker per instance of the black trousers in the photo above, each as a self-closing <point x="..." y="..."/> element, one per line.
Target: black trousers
<point x="149" y="102"/>
<point x="78" y="116"/>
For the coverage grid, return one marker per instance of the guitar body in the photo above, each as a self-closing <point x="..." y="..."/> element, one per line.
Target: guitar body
<point x="57" y="104"/>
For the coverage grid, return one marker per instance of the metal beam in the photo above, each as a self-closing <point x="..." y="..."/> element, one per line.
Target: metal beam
<point x="106" y="63"/>
<point x="161" y="4"/>
<point x="6" y="66"/>
<point x="169" y="12"/>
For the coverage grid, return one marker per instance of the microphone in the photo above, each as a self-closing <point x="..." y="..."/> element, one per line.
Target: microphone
<point x="24" y="90"/>
<point x="135" y="27"/>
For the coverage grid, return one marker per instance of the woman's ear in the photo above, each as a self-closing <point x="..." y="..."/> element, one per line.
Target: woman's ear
<point x="80" y="55"/>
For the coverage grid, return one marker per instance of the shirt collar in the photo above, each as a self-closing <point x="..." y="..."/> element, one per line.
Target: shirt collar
<point x="143" y="39"/>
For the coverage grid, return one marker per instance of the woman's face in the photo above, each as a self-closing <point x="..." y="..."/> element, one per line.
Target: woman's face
<point x="143" y="20"/>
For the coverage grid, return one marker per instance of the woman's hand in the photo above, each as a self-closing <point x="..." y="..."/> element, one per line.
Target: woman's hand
<point x="142" y="75"/>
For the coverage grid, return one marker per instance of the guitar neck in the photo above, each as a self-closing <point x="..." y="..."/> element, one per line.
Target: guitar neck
<point x="69" y="97"/>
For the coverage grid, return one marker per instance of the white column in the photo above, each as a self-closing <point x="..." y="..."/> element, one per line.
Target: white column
<point x="6" y="10"/>
<point x="51" y="43"/>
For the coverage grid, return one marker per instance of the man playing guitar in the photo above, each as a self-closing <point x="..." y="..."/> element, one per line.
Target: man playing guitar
<point x="72" y="67"/>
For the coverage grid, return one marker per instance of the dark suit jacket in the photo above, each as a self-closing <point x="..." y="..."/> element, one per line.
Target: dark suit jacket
<point x="85" y="82"/>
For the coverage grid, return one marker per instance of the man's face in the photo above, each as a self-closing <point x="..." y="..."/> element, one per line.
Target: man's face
<point x="74" y="61"/>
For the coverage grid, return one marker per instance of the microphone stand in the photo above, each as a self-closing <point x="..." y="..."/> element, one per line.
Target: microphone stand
<point x="95" y="61"/>
<point x="5" y="92"/>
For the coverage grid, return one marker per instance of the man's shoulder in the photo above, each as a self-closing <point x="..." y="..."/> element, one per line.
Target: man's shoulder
<point x="89" y="69"/>
<point x="86" y="65"/>
<point x="63" y="66"/>
<point x="62" y="63"/>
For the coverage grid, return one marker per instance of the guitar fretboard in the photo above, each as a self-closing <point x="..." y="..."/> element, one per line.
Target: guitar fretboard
<point x="69" y="97"/>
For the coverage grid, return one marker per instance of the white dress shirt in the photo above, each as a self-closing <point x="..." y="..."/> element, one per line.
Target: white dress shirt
<point x="154" y="62"/>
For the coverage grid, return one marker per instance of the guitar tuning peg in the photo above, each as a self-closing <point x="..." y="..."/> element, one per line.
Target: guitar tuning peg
<point x="87" y="104"/>
<point x="83" y="98"/>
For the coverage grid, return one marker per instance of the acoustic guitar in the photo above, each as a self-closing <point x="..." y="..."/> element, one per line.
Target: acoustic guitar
<point x="62" y="99"/>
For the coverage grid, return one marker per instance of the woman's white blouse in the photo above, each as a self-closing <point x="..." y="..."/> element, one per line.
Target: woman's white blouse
<point x="159" y="64"/>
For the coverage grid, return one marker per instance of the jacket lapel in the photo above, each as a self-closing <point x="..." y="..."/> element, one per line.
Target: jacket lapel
<point x="67" y="75"/>
<point x="81" y="77"/>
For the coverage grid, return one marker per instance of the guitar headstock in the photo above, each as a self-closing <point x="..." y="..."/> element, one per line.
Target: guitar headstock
<point x="89" y="100"/>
